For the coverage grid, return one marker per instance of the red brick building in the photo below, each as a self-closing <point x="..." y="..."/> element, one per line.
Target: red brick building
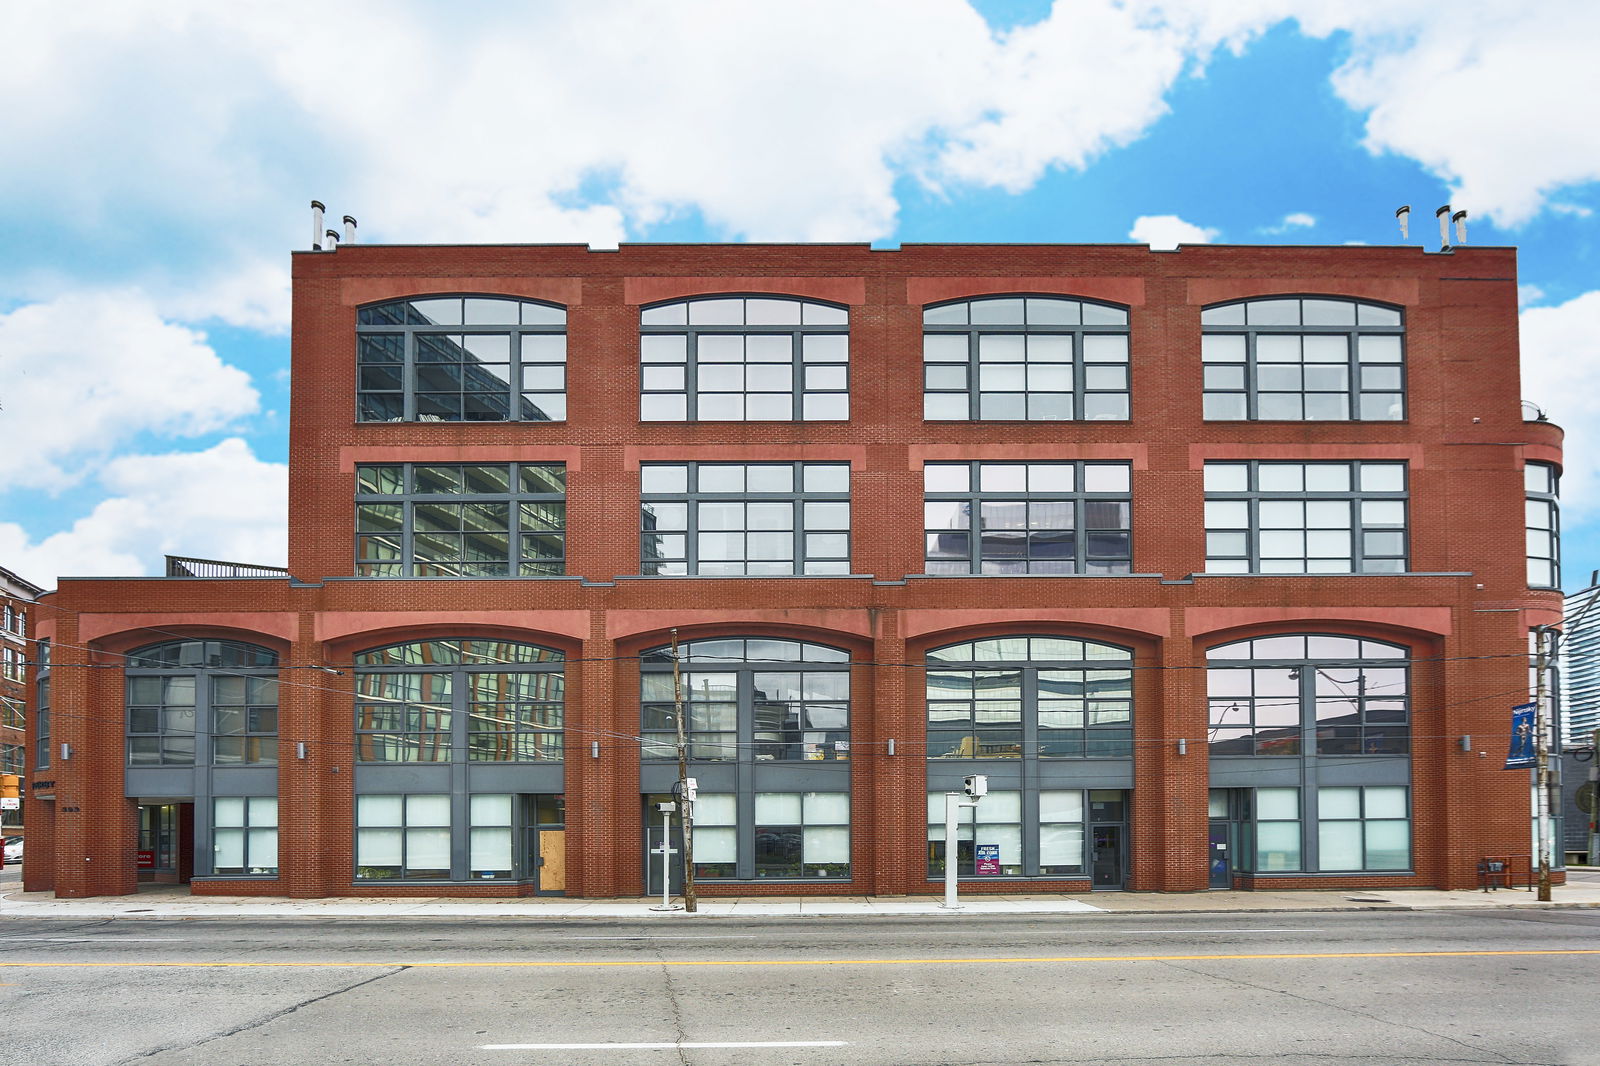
<point x="1214" y="561"/>
<point x="16" y="602"/>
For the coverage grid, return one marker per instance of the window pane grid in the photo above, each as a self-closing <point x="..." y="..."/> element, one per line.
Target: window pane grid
<point x="1543" y="525"/>
<point x="1033" y="518"/>
<point x="1311" y="359"/>
<point x="461" y="520"/>
<point x="744" y="359"/>
<point x="495" y="360"/>
<point x="744" y="519"/>
<point x="1306" y="518"/>
<point x="1025" y="359"/>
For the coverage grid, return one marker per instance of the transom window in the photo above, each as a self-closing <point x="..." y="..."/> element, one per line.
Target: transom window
<point x="461" y="700"/>
<point x="1034" y="358"/>
<point x="1043" y="697"/>
<point x="202" y="701"/>
<point x="1305" y="518"/>
<point x="745" y="518"/>
<point x="1303" y="695"/>
<point x="1543" y="527"/>
<point x="1027" y="518"/>
<point x="461" y="520"/>
<point x="1303" y="359"/>
<point x="744" y="359"/>
<point x="461" y="359"/>
<point x="749" y="700"/>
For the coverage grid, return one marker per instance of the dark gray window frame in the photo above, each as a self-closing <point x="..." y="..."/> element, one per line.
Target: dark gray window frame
<point x="1547" y="499"/>
<point x="651" y="326"/>
<point x="408" y="499"/>
<point x="141" y="663"/>
<point x="1212" y="322"/>
<point x="378" y="321"/>
<point x="974" y="364"/>
<point x="460" y="733"/>
<point x="248" y="870"/>
<point x="975" y="497"/>
<point x="41" y="708"/>
<point x="651" y="531"/>
<point x="747" y="774"/>
<point x="1360" y="560"/>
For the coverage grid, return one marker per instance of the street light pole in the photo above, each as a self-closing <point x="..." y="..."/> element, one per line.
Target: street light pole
<point x="1541" y="726"/>
<point x="685" y="800"/>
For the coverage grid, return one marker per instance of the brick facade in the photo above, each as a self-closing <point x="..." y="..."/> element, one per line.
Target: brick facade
<point x="1463" y="608"/>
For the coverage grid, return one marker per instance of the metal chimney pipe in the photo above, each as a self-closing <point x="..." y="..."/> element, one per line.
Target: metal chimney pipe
<point x="350" y="229"/>
<point x="333" y="240"/>
<point x="1460" y="219"/>
<point x="317" y="208"/>
<point x="1403" y="214"/>
<point x="1443" y="215"/>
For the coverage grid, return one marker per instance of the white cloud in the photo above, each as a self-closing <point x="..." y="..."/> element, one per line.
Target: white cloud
<point x="1561" y="373"/>
<point x="1169" y="231"/>
<point x="1529" y="294"/>
<point x="1292" y="221"/>
<point x="88" y="373"/>
<point x="222" y="503"/>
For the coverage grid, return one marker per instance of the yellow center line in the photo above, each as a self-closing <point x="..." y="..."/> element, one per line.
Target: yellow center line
<point x="809" y="962"/>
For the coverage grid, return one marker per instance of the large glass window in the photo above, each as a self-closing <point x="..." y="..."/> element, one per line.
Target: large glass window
<point x="461" y="520"/>
<point x="1033" y="697"/>
<point x="461" y="359"/>
<point x="1305" y="518"/>
<point x="796" y="835"/>
<point x="1303" y="359"/>
<point x="244" y="836"/>
<point x="401" y="838"/>
<point x="458" y="700"/>
<point x="749" y="700"/>
<point x="744" y="359"/>
<point x="745" y="518"/>
<point x="1363" y="828"/>
<point x="13" y="663"/>
<point x="194" y="701"/>
<point x="41" y="709"/>
<point x="1543" y="528"/>
<point x="1027" y="518"/>
<point x="1303" y="695"/>
<point x="1033" y="358"/>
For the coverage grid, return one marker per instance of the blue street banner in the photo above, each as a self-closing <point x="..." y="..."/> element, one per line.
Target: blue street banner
<point x="1521" y="755"/>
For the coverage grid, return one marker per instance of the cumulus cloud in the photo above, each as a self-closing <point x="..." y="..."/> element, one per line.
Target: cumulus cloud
<point x="221" y="503"/>
<point x="1561" y="373"/>
<point x="1292" y="221"/>
<point x="1169" y="231"/>
<point x="89" y="372"/>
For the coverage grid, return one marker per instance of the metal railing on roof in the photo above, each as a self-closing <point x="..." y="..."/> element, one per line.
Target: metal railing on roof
<point x="184" y="566"/>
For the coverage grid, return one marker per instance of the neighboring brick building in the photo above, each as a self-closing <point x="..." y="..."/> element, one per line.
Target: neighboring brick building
<point x="17" y="597"/>
<point x="913" y="514"/>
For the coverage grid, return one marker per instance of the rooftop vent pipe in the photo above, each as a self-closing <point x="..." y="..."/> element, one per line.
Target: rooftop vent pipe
<point x="1443" y="215"/>
<point x="1403" y="214"/>
<point x="317" y="208"/>
<point x="350" y="229"/>
<point x="1460" y="219"/>
<point x="333" y="240"/>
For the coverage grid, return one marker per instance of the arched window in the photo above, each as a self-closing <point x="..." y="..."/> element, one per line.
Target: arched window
<point x="1047" y="697"/>
<point x="461" y="359"/>
<point x="1050" y="721"/>
<point x="767" y="723"/>
<point x="1314" y="358"/>
<point x="202" y="701"/>
<point x="459" y="700"/>
<point x="1034" y="358"/>
<point x="1310" y="736"/>
<point x="744" y="359"/>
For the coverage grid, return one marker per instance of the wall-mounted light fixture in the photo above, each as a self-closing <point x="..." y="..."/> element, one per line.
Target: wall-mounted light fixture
<point x="1466" y="742"/>
<point x="300" y="749"/>
<point x="891" y="745"/>
<point x="1183" y="745"/>
<point x="594" y="749"/>
<point x="66" y="752"/>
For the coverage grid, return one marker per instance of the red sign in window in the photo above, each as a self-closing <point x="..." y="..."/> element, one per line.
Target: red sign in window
<point x="146" y="860"/>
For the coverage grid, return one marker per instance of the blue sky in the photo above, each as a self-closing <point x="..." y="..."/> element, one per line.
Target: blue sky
<point x="159" y="157"/>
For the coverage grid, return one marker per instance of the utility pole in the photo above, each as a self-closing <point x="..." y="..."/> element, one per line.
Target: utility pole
<point x="685" y="789"/>
<point x="1541" y="740"/>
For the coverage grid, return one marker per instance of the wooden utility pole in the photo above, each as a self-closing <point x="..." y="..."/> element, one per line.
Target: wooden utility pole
<point x="685" y="801"/>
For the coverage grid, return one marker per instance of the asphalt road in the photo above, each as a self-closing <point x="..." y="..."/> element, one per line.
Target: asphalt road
<point x="1288" y="989"/>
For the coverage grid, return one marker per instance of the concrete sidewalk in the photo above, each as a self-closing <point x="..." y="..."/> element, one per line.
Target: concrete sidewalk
<point x="174" y="901"/>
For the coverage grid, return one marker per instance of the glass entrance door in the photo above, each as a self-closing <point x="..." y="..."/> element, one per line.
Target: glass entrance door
<point x="157" y="855"/>
<point x="1220" y="856"/>
<point x="1107" y="868"/>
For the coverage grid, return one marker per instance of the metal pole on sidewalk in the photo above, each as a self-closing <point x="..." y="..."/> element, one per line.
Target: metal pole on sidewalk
<point x="1541" y="726"/>
<point x="951" y="803"/>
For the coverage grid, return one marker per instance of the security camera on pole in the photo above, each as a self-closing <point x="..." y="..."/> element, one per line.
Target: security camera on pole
<point x="974" y="787"/>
